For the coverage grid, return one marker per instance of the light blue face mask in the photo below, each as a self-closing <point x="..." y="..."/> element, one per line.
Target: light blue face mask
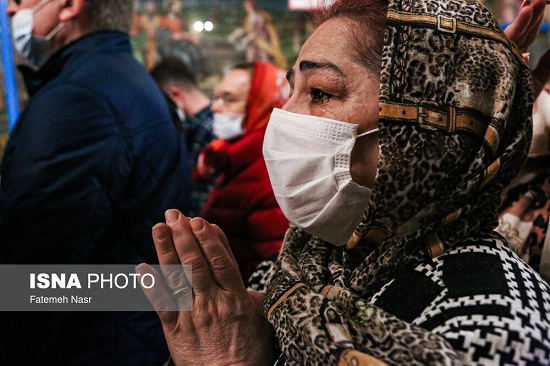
<point x="33" y="48"/>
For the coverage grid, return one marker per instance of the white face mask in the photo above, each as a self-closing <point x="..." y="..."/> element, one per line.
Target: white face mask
<point x="308" y="160"/>
<point x="228" y="126"/>
<point x="181" y="114"/>
<point x="35" y="49"/>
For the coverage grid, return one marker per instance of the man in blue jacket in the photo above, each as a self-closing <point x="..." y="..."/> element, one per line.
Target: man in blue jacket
<point x="91" y="166"/>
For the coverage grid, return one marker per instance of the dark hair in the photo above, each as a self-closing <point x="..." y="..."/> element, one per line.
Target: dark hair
<point x="368" y="36"/>
<point x="109" y="14"/>
<point x="172" y="70"/>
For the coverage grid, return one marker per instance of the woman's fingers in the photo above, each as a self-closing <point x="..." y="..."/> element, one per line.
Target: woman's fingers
<point x="189" y="251"/>
<point x="205" y="248"/>
<point x="159" y="296"/>
<point x="222" y="266"/>
<point x="224" y="240"/>
<point x="169" y="260"/>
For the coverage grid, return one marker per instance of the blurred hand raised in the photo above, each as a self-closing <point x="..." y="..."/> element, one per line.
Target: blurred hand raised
<point x="524" y="31"/>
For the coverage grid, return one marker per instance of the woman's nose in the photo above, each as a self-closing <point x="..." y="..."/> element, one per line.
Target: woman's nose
<point x="292" y="105"/>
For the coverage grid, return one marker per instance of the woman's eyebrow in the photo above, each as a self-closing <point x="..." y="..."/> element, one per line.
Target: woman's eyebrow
<point x="311" y="65"/>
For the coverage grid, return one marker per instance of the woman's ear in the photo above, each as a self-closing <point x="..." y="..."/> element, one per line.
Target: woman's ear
<point x="70" y="9"/>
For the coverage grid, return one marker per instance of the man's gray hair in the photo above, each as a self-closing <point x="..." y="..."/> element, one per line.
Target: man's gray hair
<point x="109" y="14"/>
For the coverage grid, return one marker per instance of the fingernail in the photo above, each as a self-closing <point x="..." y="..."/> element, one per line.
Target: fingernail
<point x="196" y="224"/>
<point x="139" y="265"/>
<point x="159" y="233"/>
<point x="171" y="216"/>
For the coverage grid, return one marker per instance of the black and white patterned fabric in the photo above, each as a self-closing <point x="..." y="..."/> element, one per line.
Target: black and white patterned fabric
<point x="486" y="302"/>
<point x="258" y="280"/>
<point x="481" y="297"/>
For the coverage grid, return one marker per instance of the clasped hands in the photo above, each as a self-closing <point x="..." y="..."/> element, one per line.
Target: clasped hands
<point x="226" y="325"/>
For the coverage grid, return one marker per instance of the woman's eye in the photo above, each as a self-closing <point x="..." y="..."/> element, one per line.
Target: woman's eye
<point x="318" y="96"/>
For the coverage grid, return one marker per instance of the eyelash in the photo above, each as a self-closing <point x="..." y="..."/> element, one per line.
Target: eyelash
<point x="319" y="99"/>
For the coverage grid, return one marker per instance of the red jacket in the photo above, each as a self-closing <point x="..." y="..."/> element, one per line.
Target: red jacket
<point x="242" y="203"/>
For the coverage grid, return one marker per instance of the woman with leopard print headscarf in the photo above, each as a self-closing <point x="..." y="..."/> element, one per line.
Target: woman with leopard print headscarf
<point x="408" y="159"/>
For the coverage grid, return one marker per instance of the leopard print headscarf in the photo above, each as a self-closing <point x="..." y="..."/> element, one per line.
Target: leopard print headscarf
<point x="455" y="128"/>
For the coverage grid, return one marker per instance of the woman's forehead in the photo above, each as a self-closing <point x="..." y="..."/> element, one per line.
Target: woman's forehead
<point x="331" y="43"/>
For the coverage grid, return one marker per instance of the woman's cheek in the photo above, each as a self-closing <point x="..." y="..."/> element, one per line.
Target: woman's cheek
<point x="330" y="109"/>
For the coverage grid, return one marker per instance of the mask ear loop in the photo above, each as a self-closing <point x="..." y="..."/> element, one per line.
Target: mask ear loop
<point x="40" y="5"/>
<point x="368" y="133"/>
<point x="52" y="34"/>
<point x="54" y="31"/>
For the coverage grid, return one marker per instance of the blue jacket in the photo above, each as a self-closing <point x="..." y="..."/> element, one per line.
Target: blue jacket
<point x="91" y="166"/>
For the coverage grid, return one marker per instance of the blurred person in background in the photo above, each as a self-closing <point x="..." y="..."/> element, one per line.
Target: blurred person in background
<point x="137" y="40"/>
<point x="91" y="165"/>
<point x="173" y="22"/>
<point x="150" y="23"/>
<point x="174" y="40"/>
<point x="258" y="36"/>
<point x="525" y="213"/>
<point x="242" y="202"/>
<point x="134" y="29"/>
<point x="195" y="111"/>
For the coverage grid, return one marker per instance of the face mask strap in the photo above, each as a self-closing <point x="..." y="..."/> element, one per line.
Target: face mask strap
<point x="52" y="34"/>
<point x="368" y="133"/>
<point x="54" y="31"/>
<point x="39" y="6"/>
